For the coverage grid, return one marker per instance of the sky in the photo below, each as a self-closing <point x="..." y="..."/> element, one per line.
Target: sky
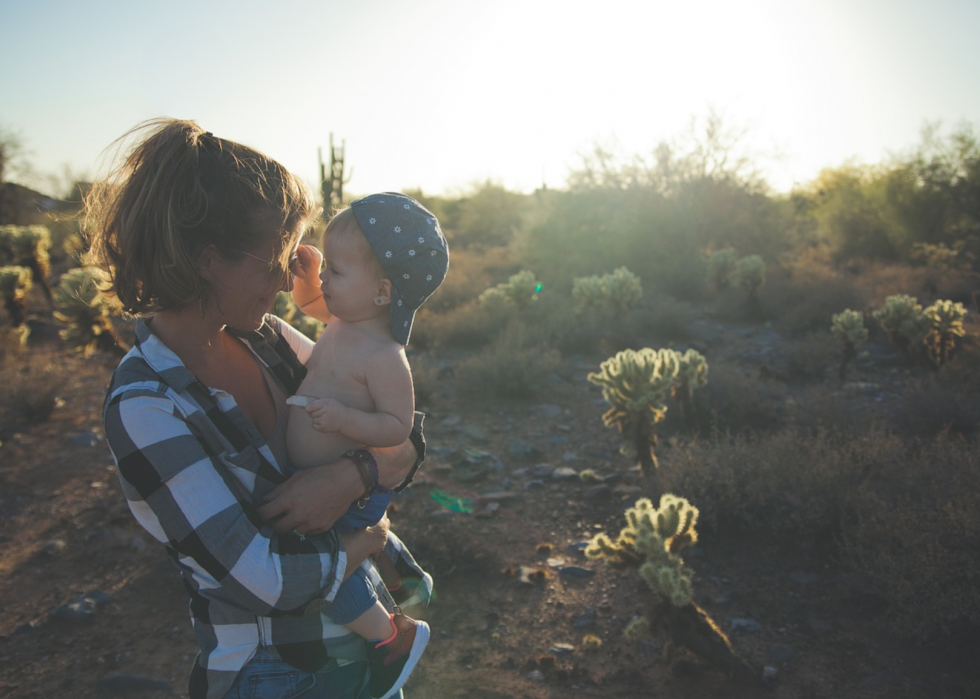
<point x="441" y="95"/>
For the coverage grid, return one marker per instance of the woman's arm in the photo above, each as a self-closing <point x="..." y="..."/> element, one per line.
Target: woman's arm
<point x="312" y="499"/>
<point x="181" y="493"/>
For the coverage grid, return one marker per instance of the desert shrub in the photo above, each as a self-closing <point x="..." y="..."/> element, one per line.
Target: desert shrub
<point x="426" y="378"/>
<point x="513" y="366"/>
<point x="943" y="401"/>
<point x="31" y="388"/>
<point x="470" y="325"/>
<point x="808" y="358"/>
<point x="789" y="485"/>
<point x="913" y="531"/>
<point x="750" y="275"/>
<point x="471" y="271"/>
<point x="27" y="246"/>
<point x="905" y="323"/>
<point x="820" y="407"/>
<point x="806" y="291"/>
<point x="666" y="319"/>
<point x="734" y="401"/>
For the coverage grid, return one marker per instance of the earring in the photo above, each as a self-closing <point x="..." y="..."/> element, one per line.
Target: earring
<point x="379" y="300"/>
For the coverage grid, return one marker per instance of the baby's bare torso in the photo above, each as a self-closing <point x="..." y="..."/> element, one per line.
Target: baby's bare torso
<point x="336" y="370"/>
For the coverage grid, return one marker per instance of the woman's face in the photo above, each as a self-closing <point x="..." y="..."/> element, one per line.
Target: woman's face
<point x="244" y="290"/>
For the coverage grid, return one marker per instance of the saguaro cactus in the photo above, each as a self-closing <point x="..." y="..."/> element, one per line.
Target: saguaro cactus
<point x="946" y="319"/>
<point x="652" y="540"/>
<point x="692" y="373"/>
<point x="636" y="384"/>
<point x="848" y="327"/>
<point x="905" y="323"/>
<point x="87" y="312"/>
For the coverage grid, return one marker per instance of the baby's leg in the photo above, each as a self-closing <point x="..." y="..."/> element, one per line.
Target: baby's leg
<point x="372" y="625"/>
<point x="389" y="574"/>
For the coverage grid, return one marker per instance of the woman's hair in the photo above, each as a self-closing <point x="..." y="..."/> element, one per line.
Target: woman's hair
<point x="173" y="193"/>
<point x="344" y="226"/>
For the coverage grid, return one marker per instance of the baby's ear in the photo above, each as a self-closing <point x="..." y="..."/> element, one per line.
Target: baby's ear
<point x="384" y="292"/>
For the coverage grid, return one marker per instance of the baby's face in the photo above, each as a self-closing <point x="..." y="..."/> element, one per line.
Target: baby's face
<point x="350" y="286"/>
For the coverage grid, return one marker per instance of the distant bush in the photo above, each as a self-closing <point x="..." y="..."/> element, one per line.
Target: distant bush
<point x="513" y="366"/>
<point x="608" y="293"/>
<point x="87" y="312"/>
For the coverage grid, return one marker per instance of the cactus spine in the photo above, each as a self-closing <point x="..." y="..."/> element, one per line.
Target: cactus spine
<point x="848" y="327"/>
<point x="636" y="383"/>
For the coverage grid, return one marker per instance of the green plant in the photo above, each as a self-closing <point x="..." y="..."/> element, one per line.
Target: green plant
<point x="905" y="323"/>
<point x="721" y="268"/>
<point x="514" y="366"/>
<point x="635" y="384"/>
<point x="692" y="372"/>
<point x="750" y="275"/>
<point x="521" y="289"/>
<point x="946" y="324"/>
<point x="15" y="282"/>
<point x="27" y="246"/>
<point x="614" y="292"/>
<point x="848" y="327"/>
<point x="80" y="303"/>
<point x="652" y="540"/>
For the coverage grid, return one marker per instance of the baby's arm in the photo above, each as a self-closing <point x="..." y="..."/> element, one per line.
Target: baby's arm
<point x="389" y="382"/>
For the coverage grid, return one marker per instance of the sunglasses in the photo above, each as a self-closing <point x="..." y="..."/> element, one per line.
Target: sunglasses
<point x="293" y="260"/>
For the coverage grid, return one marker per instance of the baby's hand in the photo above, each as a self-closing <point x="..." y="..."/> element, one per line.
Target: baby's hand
<point x="328" y="415"/>
<point x="307" y="267"/>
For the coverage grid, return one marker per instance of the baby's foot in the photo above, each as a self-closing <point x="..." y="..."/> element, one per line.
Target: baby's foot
<point x="393" y="660"/>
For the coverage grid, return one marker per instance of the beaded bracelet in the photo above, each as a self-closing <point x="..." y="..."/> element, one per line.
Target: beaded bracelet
<point x="368" y="468"/>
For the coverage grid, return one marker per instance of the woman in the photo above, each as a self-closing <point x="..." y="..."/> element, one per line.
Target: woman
<point x="197" y="235"/>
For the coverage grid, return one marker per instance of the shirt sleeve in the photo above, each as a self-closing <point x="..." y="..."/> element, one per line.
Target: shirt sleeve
<point x="300" y="343"/>
<point x="194" y="501"/>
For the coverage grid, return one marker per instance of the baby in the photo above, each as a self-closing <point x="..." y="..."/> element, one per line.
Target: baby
<point x="385" y="255"/>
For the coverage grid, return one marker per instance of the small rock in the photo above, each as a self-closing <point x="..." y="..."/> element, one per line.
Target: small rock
<point x="564" y="473"/>
<point x="536" y="484"/>
<point x="123" y="683"/>
<point x="746" y="625"/>
<point x="575" y="573"/>
<point x="86" y="439"/>
<point x="535" y="676"/>
<point x="522" y="451"/>
<point x="569" y="457"/>
<point x="542" y="470"/>
<point x="598" y="492"/>
<point x="780" y="655"/>
<point x="555" y="562"/>
<point x="769" y="672"/>
<point x="578" y="547"/>
<point x="53" y="547"/>
<point x="586" y="619"/>
<point x="562" y="649"/>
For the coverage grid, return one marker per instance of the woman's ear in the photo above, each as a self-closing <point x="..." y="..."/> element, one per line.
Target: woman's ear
<point x="384" y="292"/>
<point x="207" y="258"/>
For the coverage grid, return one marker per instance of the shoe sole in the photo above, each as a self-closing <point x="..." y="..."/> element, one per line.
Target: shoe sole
<point x="421" y="641"/>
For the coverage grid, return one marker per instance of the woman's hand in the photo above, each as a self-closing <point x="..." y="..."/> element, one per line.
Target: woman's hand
<point x="311" y="500"/>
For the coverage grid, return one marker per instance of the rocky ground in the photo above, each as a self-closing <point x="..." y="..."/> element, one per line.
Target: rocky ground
<point x="91" y="606"/>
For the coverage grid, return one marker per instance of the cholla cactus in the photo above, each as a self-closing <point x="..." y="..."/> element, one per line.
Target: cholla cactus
<point x="750" y="274"/>
<point x="848" y="327"/>
<point x="946" y="320"/>
<point x="653" y="538"/>
<point x="692" y="372"/>
<point x="80" y="303"/>
<point x="609" y="292"/>
<point x="721" y="268"/>
<point x="905" y="323"/>
<point x="27" y="246"/>
<point x="15" y="283"/>
<point x="636" y="385"/>
<point x="521" y="289"/>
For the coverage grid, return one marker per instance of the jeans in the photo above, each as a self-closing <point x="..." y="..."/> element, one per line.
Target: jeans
<point x="355" y="596"/>
<point x="267" y="676"/>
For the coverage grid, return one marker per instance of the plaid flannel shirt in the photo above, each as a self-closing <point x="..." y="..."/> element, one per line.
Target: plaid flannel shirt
<point x="192" y="466"/>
